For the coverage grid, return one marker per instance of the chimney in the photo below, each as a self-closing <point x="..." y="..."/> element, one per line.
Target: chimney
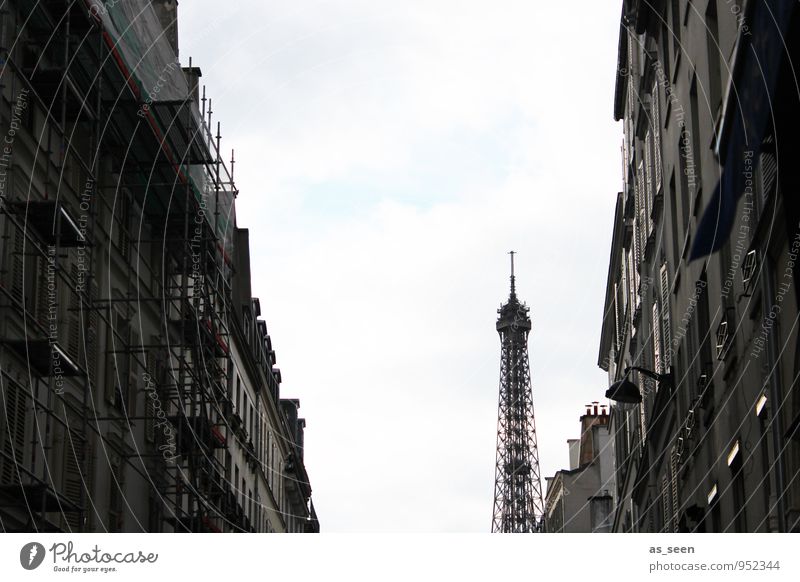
<point x="588" y="409"/>
<point x="167" y="12"/>
<point x="595" y="403"/>
<point x="193" y="75"/>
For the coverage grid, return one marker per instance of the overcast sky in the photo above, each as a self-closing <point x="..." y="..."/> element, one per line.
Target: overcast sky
<point x="389" y="155"/>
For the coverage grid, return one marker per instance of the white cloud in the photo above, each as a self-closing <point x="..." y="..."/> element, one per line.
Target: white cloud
<point x="436" y="136"/>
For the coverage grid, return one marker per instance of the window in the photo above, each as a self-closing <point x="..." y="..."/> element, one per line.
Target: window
<point x="666" y="323"/>
<point x="736" y="465"/>
<point x="13" y="431"/>
<point x="676" y="30"/>
<point x="238" y="394"/>
<point x="118" y="360"/>
<point x="657" y="162"/>
<point x="116" y="495"/>
<point x="673" y="207"/>
<point x="714" y="55"/>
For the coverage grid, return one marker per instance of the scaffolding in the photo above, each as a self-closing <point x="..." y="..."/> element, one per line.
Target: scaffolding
<point x="72" y="208"/>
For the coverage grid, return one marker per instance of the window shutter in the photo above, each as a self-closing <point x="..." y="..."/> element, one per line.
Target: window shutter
<point x="73" y="318"/>
<point x="648" y="178"/>
<point x="91" y="335"/>
<point x="631" y="280"/>
<point x="657" y="361"/>
<point x="18" y="265"/>
<point x="644" y="199"/>
<point x="132" y="379"/>
<point x="665" y="318"/>
<point x="124" y="225"/>
<point x="643" y="420"/>
<point x="149" y="404"/>
<point x="111" y="376"/>
<point x="13" y="431"/>
<point x="116" y="489"/>
<point x="617" y="319"/>
<point x="666" y="498"/>
<point x="73" y="480"/>
<point x="42" y="294"/>
<point x="657" y="173"/>
<point x="674" y="487"/>
<point x="88" y="479"/>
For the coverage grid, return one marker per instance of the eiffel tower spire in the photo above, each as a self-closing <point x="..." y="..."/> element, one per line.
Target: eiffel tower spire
<point x="518" y="505"/>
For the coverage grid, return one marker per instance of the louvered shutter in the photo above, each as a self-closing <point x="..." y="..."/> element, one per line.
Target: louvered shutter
<point x="13" y="431"/>
<point x="647" y="177"/>
<point x="124" y="225"/>
<point x="116" y="491"/>
<point x="42" y="293"/>
<point x="151" y="390"/>
<point x="18" y="265"/>
<point x="631" y="279"/>
<point x="657" y="361"/>
<point x="768" y="166"/>
<point x="643" y="419"/>
<point x="666" y="502"/>
<point x="92" y="334"/>
<point x="74" y="449"/>
<point x="89" y="480"/>
<point x="112" y="358"/>
<point x="131" y="392"/>
<point x="657" y="169"/>
<point x="666" y="323"/>
<point x="73" y="318"/>
<point x="674" y="487"/>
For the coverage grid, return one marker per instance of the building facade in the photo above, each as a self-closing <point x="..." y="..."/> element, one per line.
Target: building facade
<point x="139" y="384"/>
<point x="580" y="499"/>
<point x="702" y="284"/>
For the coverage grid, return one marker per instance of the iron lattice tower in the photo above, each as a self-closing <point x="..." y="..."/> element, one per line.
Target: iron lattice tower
<point x="518" y="506"/>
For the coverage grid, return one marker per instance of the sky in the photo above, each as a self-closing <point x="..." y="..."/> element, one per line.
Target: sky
<point x="388" y="156"/>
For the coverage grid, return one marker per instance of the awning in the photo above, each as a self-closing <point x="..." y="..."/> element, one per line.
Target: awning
<point x="759" y="54"/>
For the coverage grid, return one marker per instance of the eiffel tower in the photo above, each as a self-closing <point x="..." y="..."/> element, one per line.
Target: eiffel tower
<point x="518" y="506"/>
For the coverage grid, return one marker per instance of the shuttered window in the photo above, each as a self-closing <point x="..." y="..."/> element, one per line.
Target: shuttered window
<point x="73" y="319"/>
<point x="74" y="454"/>
<point x="13" y="430"/>
<point x="657" y="359"/>
<point x="18" y="265"/>
<point x="666" y="504"/>
<point x="657" y="163"/>
<point x="91" y="340"/>
<point x="43" y="295"/>
<point x="117" y="360"/>
<point x="116" y="489"/>
<point x="133" y="368"/>
<point x="150" y="392"/>
<point x="647" y="177"/>
<point x="666" y="323"/>
<point x="123" y="223"/>
<point x="673" y="469"/>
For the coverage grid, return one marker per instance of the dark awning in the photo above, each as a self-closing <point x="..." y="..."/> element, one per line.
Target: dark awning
<point x="759" y="54"/>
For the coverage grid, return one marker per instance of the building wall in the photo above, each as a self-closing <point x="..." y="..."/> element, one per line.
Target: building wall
<point x="707" y="322"/>
<point x="578" y="499"/>
<point x="157" y="400"/>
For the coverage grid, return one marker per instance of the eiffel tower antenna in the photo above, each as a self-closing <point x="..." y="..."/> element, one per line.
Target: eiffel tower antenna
<point x="518" y="505"/>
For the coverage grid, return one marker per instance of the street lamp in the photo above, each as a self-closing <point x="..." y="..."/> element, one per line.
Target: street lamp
<point x="626" y="392"/>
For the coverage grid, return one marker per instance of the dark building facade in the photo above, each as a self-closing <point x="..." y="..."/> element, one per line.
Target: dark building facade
<point x="703" y="280"/>
<point x="138" y="382"/>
